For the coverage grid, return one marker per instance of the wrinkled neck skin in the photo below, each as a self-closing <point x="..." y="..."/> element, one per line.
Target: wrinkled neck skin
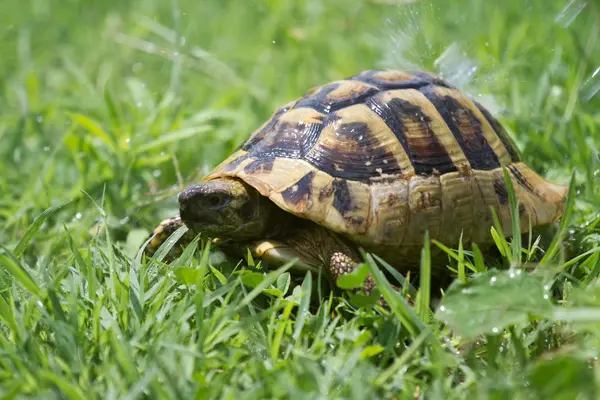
<point x="267" y="220"/>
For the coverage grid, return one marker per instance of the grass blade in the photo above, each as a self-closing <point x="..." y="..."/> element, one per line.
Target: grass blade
<point x="564" y="224"/>
<point x="20" y="274"/>
<point x="35" y="227"/>
<point x="172" y="137"/>
<point x="397" y="304"/>
<point x="425" y="281"/>
<point x="516" y="221"/>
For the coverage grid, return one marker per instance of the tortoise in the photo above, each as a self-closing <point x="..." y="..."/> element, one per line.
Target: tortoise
<point x="373" y="162"/>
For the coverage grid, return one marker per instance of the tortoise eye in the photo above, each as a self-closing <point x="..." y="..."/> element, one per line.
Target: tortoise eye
<point x="214" y="200"/>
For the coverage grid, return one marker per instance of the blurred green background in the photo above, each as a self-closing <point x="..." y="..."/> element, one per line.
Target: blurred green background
<point x="110" y="96"/>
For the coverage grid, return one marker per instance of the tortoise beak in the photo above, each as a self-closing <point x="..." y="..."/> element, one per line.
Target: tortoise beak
<point x="189" y="196"/>
<point x="191" y="207"/>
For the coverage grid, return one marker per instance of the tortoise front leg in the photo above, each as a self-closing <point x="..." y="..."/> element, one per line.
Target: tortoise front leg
<point x="162" y="232"/>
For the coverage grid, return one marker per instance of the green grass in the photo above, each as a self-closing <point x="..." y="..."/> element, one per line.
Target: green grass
<point x="108" y="107"/>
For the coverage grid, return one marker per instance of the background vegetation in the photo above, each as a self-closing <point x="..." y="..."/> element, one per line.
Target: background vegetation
<point x="108" y="107"/>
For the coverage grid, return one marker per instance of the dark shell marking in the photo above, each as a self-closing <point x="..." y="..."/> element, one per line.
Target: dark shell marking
<point x="425" y="154"/>
<point x="502" y="134"/>
<point x="500" y="189"/>
<point x="285" y="139"/>
<point x="466" y="128"/>
<point x="356" y="154"/>
<point x="521" y="179"/>
<point x="301" y="191"/>
<point x="337" y="96"/>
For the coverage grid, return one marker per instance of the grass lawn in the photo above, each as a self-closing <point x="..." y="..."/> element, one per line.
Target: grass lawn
<point x="108" y="108"/>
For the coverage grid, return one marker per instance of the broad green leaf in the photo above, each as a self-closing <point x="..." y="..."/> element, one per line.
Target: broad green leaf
<point x="283" y="282"/>
<point x="354" y="279"/>
<point x="492" y="301"/>
<point x="187" y="275"/>
<point x="363" y="300"/>
<point x="252" y="279"/>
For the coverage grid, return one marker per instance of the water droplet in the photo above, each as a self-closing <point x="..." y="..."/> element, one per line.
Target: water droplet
<point x="455" y="66"/>
<point x="556" y="91"/>
<point x="78" y="215"/>
<point x="492" y="280"/>
<point x="546" y="287"/>
<point x="591" y="86"/>
<point x="39" y="119"/>
<point x="273" y="42"/>
<point x="568" y="14"/>
<point x="128" y="140"/>
<point x="46" y="148"/>
<point x="156" y="173"/>
<point x="495" y="330"/>
<point x="442" y="308"/>
<point x="546" y="297"/>
<point x="124" y="221"/>
<point x="487" y="44"/>
<point x="512" y="274"/>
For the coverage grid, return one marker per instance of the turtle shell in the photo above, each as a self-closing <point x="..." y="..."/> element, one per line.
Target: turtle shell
<point x="384" y="156"/>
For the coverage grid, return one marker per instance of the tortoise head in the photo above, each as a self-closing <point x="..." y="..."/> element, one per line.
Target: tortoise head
<point x="225" y="208"/>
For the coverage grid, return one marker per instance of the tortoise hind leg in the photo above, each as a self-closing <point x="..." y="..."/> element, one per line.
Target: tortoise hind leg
<point x="341" y="264"/>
